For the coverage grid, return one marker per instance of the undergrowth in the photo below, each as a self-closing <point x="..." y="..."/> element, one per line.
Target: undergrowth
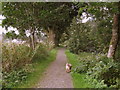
<point x="22" y="66"/>
<point x="79" y="80"/>
<point x="93" y="70"/>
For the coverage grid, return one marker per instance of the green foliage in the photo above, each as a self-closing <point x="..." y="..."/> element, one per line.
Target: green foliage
<point x="105" y="70"/>
<point x="95" y="83"/>
<point x="80" y="81"/>
<point x="15" y="55"/>
<point x="37" y="70"/>
<point x="36" y="15"/>
<point x="71" y="59"/>
<point x="117" y="54"/>
<point x="80" y="78"/>
<point x="41" y="52"/>
<point x="99" y="69"/>
<point x="88" y="37"/>
<point x="0" y="7"/>
<point x="86" y="61"/>
<point x="94" y="35"/>
<point x="13" y="78"/>
<point x="78" y="37"/>
<point x="99" y="10"/>
<point x="18" y="62"/>
<point x="11" y="35"/>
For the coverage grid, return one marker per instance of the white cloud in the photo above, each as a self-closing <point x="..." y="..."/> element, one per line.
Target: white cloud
<point x="17" y="32"/>
<point x="27" y="33"/>
<point x="2" y="17"/>
<point x="2" y="30"/>
<point x="86" y="19"/>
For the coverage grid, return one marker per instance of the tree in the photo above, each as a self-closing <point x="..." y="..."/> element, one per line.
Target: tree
<point x="115" y="35"/>
<point x="101" y="11"/>
<point x="19" y="17"/>
<point x="58" y="19"/>
<point x="33" y="16"/>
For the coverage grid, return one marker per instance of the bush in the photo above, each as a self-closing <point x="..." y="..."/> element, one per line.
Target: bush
<point x="41" y="52"/>
<point x="15" y="56"/>
<point x="95" y="83"/>
<point x="100" y="68"/>
<point x="80" y="77"/>
<point x="106" y="70"/>
<point x="17" y="62"/>
<point x="13" y="78"/>
<point x="88" y="37"/>
<point x="86" y="61"/>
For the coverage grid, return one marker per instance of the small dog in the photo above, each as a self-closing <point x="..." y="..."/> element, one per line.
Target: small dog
<point x="68" y="67"/>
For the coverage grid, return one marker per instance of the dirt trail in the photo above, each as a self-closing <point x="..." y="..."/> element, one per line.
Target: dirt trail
<point x="55" y="76"/>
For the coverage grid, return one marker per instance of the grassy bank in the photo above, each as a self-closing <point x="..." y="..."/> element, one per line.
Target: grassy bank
<point x="79" y="80"/>
<point x="39" y="67"/>
<point x="92" y="70"/>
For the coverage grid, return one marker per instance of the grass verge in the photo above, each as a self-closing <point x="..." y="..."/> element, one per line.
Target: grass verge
<point x="78" y="79"/>
<point x="39" y="67"/>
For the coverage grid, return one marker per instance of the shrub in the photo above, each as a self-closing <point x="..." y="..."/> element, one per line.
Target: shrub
<point x="13" y="78"/>
<point x="17" y="62"/>
<point x="88" y="37"/>
<point x="41" y="52"/>
<point x="106" y="70"/>
<point x="100" y="68"/>
<point x="95" y="83"/>
<point x="15" y="56"/>
<point x="86" y="61"/>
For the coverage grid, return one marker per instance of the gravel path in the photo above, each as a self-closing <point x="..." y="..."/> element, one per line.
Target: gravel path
<point x="56" y="76"/>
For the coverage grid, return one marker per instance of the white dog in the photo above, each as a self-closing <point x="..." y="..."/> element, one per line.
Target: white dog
<point x="68" y="67"/>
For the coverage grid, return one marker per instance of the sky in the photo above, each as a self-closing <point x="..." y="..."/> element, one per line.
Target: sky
<point x="3" y="30"/>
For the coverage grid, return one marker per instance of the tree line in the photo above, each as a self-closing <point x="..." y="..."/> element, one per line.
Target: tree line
<point x="54" y="19"/>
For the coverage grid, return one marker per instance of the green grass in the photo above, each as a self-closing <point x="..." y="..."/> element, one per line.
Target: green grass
<point x="39" y="68"/>
<point x="79" y="80"/>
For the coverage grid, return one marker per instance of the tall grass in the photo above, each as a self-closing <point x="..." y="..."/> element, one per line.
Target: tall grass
<point x="15" y="56"/>
<point x="20" y="61"/>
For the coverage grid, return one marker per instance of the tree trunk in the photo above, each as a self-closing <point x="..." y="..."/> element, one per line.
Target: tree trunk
<point x="50" y="35"/>
<point x="53" y="37"/>
<point x="56" y="40"/>
<point x="114" y="39"/>
<point x="32" y="40"/>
